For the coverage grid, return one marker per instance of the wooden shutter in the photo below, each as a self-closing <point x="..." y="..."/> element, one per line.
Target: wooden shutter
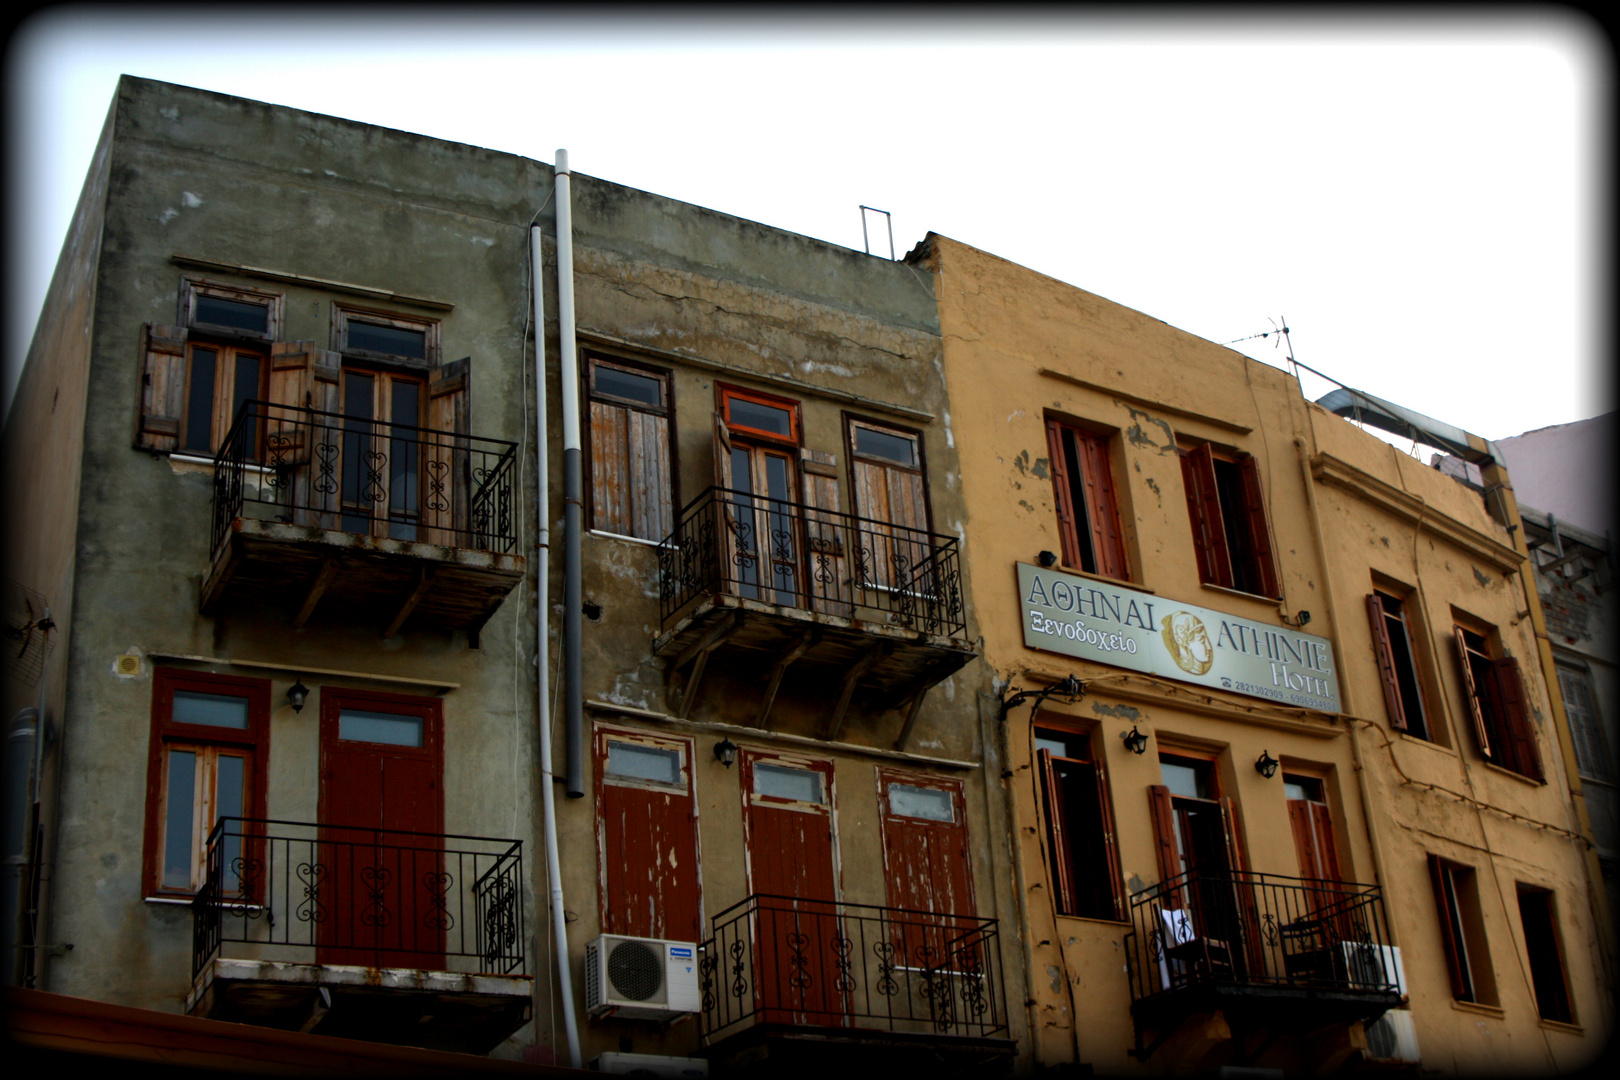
<point x="1385" y="652"/>
<point x="163" y="387"/>
<point x="1312" y="825"/>
<point x="1513" y="705"/>
<point x="1448" y="923"/>
<point x="447" y="488"/>
<point x="1063" y="489"/>
<point x="1229" y="827"/>
<point x="1204" y="507"/>
<point x="1471" y="694"/>
<point x="1110" y="841"/>
<point x="1254" y="507"/>
<point x="1102" y="509"/>
<point x="1164" y="834"/>
<point x="1058" y="832"/>
<point x="825" y="536"/>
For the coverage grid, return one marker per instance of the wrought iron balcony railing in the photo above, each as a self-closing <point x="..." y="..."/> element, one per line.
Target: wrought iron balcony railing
<point x="1245" y="930"/>
<point x="736" y="543"/>
<point x="376" y="897"/>
<point x="802" y="963"/>
<point x="320" y="469"/>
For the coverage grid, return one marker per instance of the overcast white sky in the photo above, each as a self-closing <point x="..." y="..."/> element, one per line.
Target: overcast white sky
<point x="1424" y="198"/>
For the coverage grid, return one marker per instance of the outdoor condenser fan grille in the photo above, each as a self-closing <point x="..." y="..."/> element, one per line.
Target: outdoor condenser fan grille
<point x="26" y="642"/>
<point x="635" y="970"/>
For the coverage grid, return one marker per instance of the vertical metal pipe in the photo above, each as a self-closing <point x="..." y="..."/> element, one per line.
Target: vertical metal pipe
<point x="573" y="483"/>
<point x="548" y="802"/>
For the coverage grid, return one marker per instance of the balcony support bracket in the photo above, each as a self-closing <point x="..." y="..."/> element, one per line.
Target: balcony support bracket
<point x="424" y="582"/>
<point x="697" y="654"/>
<point x="323" y="579"/>
<point x="911" y="718"/>
<point x="835" y="729"/>
<point x="801" y="645"/>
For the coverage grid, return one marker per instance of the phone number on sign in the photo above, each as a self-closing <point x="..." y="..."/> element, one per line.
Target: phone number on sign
<point x="1274" y="694"/>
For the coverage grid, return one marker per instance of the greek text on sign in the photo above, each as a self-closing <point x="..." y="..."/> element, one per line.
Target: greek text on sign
<point x="1112" y="624"/>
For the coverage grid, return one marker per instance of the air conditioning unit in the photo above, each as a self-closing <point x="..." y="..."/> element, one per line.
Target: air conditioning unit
<point x="1393" y="1037"/>
<point x="1373" y="967"/>
<point x="640" y="978"/>
<point x="649" y="1065"/>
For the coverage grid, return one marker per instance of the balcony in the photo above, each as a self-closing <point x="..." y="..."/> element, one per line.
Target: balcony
<point x="775" y="584"/>
<point x="809" y="985"/>
<point x="1278" y="953"/>
<point x="373" y="934"/>
<point x="390" y="523"/>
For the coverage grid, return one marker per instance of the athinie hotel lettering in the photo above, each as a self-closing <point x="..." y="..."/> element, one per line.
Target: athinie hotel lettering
<point x="1112" y="624"/>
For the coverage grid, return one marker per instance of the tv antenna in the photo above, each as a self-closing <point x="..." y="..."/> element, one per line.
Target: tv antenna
<point x="866" y="237"/>
<point x="27" y="639"/>
<point x="1279" y="330"/>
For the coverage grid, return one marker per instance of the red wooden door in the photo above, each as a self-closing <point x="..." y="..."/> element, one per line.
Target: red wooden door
<point x="792" y="867"/>
<point x="926" y="864"/>
<point x="386" y="900"/>
<point x="647" y="837"/>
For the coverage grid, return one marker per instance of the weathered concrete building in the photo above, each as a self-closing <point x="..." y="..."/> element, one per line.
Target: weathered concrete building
<point x="1289" y="788"/>
<point x="275" y="455"/>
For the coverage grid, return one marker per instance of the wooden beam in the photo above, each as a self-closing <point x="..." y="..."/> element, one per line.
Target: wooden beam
<point x="859" y="668"/>
<point x="911" y="718"/>
<point x="424" y="582"/>
<point x="804" y="643"/>
<point x="698" y="656"/>
<point x="323" y="578"/>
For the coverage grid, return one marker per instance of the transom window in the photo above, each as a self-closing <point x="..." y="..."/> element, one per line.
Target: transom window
<point x="637" y="761"/>
<point x="385" y="337"/>
<point x="930" y="804"/>
<point x="749" y="412"/>
<point x="780" y="782"/>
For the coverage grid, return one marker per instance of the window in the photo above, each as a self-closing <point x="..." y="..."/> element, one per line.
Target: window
<point x="1538" y="916"/>
<point x="631" y="478"/>
<point x="1080" y="838"/>
<point x="1397" y="664"/>
<point x="1591" y="755"/>
<point x="197" y="375"/>
<point x="1087" y="510"/>
<point x="1228" y="516"/>
<point x="207" y="761"/>
<point x="647" y="836"/>
<point x="1462" y="931"/>
<point x="1498" y="704"/>
<point x="891" y="498"/>
<point x="386" y="338"/>
<point x="756" y="457"/>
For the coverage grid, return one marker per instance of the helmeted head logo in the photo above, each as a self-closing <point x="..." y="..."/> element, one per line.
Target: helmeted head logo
<point x="1188" y="642"/>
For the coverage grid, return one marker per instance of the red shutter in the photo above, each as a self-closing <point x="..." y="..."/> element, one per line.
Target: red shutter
<point x="1103" y="511"/>
<point x="163" y="387"/>
<point x="1204" y="508"/>
<point x="1514" y="705"/>
<point x="1385" y="653"/>
<point x="1471" y="694"/>
<point x="1442" y="901"/>
<point x="1063" y="489"/>
<point x="1254" y="506"/>
<point x="1057" y="831"/>
<point x="1164" y="833"/>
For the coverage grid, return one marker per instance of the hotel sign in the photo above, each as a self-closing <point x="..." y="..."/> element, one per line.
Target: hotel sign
<point x="1123" y="627"/>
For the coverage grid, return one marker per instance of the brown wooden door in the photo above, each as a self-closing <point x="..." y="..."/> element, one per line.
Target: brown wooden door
<point x="386" y="900"/>
<point x="792" y="868"/>
<point x="647" y="837"/>
<point x="927" y="867"/>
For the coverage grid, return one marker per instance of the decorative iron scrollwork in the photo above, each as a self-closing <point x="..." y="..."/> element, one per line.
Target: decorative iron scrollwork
<point x="438" y="916"/>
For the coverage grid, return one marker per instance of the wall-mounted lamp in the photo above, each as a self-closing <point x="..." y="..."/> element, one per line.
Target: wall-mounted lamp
<point x="1266" y="765"/>
<point x="725" y="752"/>
<point x="297" y="694"/>
<point x="1302" y="618"/>
<point x="1135" y="740"/>
<point x="1046" y="559"/>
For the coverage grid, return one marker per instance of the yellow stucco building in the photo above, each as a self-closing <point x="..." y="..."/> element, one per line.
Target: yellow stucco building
<point x="1288" y="787"/>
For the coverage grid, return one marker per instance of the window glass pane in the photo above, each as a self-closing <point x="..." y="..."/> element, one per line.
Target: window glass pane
<point x="177" y="818"/>
<point x="1058" y="747"/>
<point x="646" y="389"/>
<point x="1188" y="779"/>
<point x="237" y="314"/>
<point x="889" y="447"/>
<point x="228" y="803"/>
<point x="801" y="785"/>
<point x="929" y="803"/>
<point x="246" y="385"/>
<point x="392" y="340"/>
<point x="357" y="725"/>
<point x="214" y="710"/>
<point x="200" y="402"/>
<point x="753" y="414"/>
<point x="644" y="762"/>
